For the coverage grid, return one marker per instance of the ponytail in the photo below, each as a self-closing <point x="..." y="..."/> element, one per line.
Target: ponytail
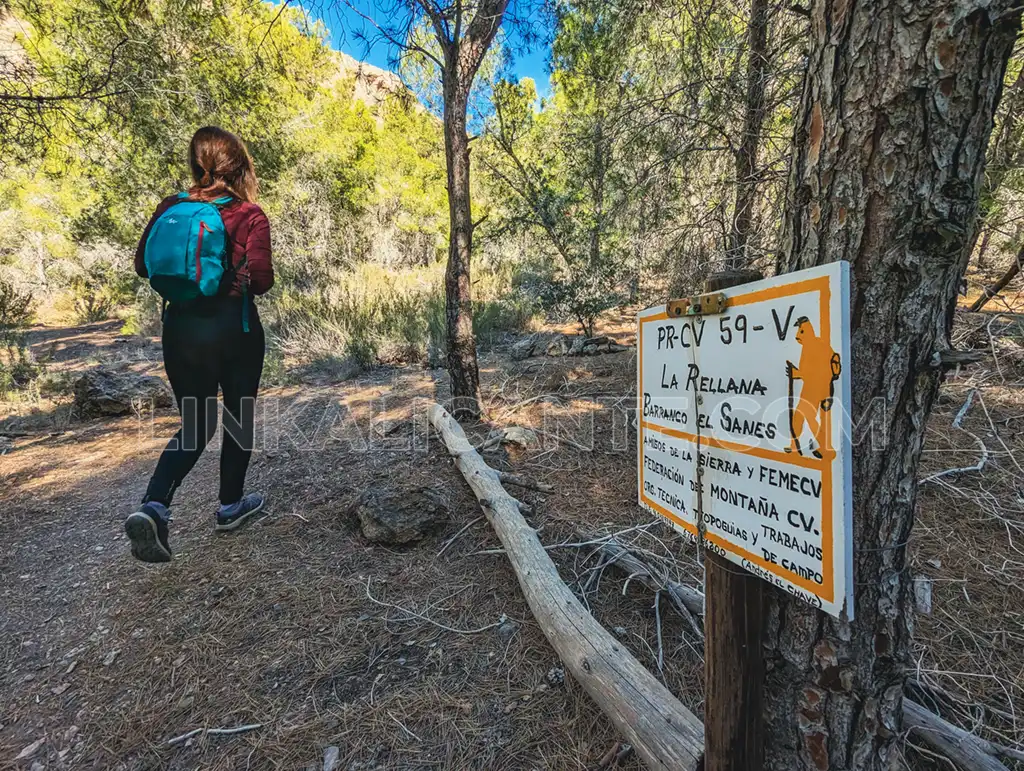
<point x="221" y="166"/>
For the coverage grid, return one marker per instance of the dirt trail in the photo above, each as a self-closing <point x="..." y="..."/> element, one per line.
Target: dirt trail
<point x="106" y="659"/>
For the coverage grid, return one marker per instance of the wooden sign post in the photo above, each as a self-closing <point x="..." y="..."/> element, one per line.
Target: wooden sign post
<point x="744" y="447"/>
<point x="733" y="634"/>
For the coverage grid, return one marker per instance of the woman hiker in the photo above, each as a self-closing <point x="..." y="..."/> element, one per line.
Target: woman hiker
<point x="207" y="252"/>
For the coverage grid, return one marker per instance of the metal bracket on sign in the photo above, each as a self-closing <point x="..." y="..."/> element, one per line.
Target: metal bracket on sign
<point x="698" y="305"/>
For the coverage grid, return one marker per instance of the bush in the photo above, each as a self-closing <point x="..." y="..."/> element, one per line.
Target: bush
<point x="106" y="284"/>
<point x="144" y="315"/>
<point x="581" y="296"/>
<point x="92" y="303"/>
<point x="17" y="367"/>
<point x="16" y="307"/>
<point x="96" y="285"/>
<point x="495" y="319"/>
<point x="373" y="316"/>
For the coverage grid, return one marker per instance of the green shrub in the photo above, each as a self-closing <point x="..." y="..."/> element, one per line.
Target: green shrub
<point x="373" y="316"/>
<point x="495" y="319"/>
<point x="92" y="303"/>
<point x="274" y="371"/>
<point x="55" y="384"/>
<point x="100" y="290"/>
<point x="16" y="307"/>
<point x="17" y="367"/>
<point x="144" y="315"/>
<point x="581" y="296"/>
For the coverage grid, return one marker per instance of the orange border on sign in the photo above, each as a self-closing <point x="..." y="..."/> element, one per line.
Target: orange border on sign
<point x="825" y="591"/>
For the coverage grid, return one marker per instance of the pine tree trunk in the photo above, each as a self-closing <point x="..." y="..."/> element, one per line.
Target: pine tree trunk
<point x="462" y="364"/>
<point x="983" y="246"/>
<point x="894" y="122"/>
<point x="753" y="121"/>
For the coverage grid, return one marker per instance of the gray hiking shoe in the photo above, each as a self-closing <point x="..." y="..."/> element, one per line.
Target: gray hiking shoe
<point x="235" y="515"/>
<point x="147" y="531"/>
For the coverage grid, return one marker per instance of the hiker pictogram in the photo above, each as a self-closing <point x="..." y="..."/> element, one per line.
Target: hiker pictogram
<point x="818" y="371"/>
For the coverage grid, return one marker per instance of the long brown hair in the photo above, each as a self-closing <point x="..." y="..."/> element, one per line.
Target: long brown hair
<point x="221" y="166"/>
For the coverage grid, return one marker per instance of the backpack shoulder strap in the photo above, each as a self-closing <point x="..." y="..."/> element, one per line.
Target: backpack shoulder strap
<point x="218" y="202"/>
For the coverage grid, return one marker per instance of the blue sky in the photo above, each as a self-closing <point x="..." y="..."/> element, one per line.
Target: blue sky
<point x="344" y="23"/>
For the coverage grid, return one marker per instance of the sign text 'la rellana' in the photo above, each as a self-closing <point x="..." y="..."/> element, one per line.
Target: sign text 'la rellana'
<point x="744" y="424"/>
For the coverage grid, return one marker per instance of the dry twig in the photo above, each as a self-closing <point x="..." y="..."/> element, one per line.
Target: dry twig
<point x="421" y="617"/>
<point x="514" y="479"/>
<point x="213" y="732"/>
<point x="462" y="530"/>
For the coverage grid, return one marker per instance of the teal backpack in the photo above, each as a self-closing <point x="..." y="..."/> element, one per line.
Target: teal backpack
<point x="186" y="254"/>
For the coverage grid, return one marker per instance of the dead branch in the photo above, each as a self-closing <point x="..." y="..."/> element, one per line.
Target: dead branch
<point x="951" y="359"/>
<point x="527" y="484"/>
<point x="30" y="434"/>
<point x="689" y="603"/>
<point x="996" y="288"/>
<point x="427" y="619"/>
<point x="526" y="508"/>
<point x="957" y="423"/>
<point x="609" y="756"/>
<point x="665" y="734"/>
<point x="982" y="460"/>
<point x="962" y="412"/>
<point x="462" y="530"/>
<point x="212" y="732"/>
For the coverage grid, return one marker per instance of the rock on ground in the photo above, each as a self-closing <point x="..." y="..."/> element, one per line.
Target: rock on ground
<point x="541" y="343"/>
<point x="331" y="756"/>
<point x="105" y="391"/>
<point x="527" y="346"/>
<point x="400" y="516"/>
<point x="517" y="435"/>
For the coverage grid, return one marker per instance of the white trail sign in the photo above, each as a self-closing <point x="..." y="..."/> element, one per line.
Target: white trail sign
<point x="745" y="431"/>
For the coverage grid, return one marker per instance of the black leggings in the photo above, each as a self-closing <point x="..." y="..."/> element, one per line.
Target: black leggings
<point x="205" y="348"/>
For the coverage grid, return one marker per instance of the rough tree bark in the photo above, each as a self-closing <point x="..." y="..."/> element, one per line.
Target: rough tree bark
<point x="895" y="118"/>
<point x="464" y="43"/>
<point x="462" y="365"/>
<point x="753" y="121"/>
<point x="966" y="750"/>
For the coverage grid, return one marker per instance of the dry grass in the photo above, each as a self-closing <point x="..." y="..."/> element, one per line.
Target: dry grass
<point x="968" y="540"/>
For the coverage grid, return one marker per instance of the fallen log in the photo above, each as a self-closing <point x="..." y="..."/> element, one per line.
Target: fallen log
<point x="663" y="732"/>
<point x="969" y="752"/>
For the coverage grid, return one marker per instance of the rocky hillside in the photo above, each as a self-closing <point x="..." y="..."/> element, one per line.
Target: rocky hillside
<point x="373" y="85"/>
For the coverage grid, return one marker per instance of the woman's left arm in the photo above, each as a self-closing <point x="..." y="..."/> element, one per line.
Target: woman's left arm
<point x="257" y="251"/>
